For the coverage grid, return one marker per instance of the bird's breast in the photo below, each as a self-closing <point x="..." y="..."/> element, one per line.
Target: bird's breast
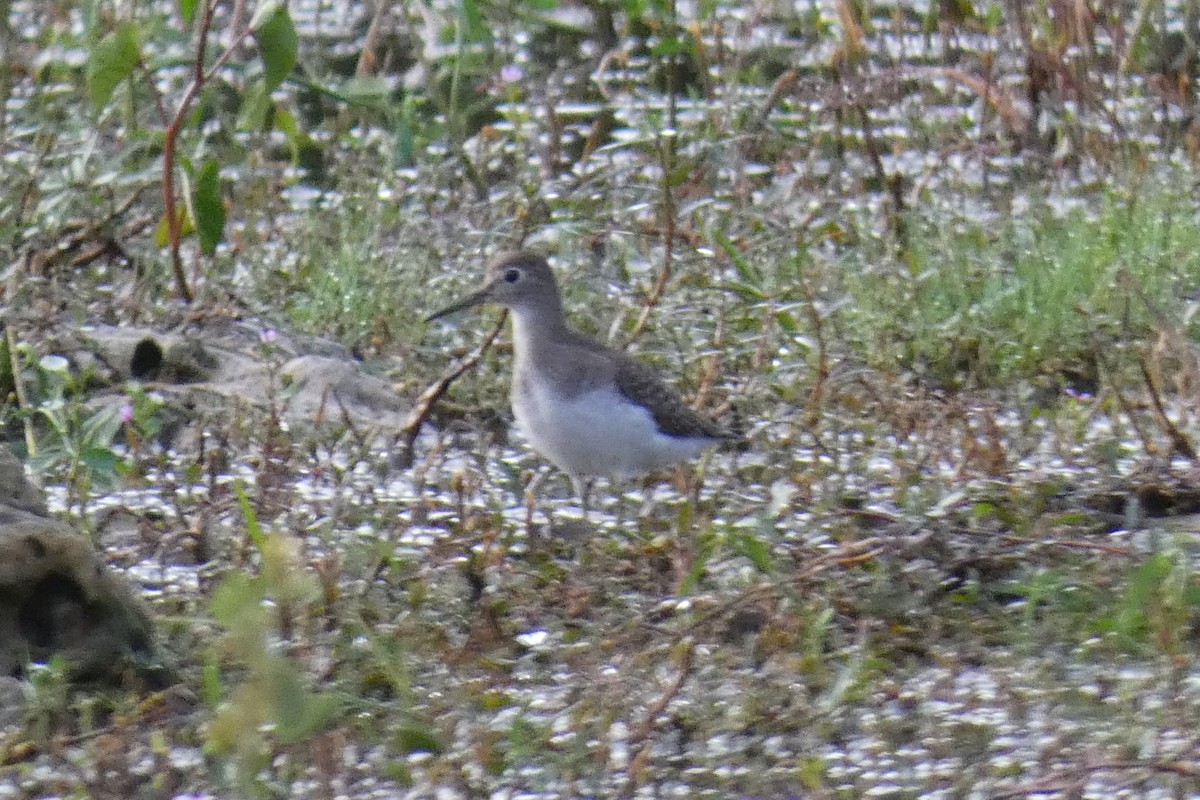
<point x="595" y="432"/>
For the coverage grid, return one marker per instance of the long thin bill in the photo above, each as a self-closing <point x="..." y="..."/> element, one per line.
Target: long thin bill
<point x="458" y="305"/>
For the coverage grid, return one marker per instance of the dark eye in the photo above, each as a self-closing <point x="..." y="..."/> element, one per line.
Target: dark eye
<point x="512" y="275"/>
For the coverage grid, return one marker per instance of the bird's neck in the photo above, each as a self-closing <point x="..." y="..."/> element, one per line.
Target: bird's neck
<point x="537" y="322"/>
<point x="535" y="327"/>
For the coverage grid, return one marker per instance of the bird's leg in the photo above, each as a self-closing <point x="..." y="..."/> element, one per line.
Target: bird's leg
<point x="583" y="488"/>
<point x="535" y="482"/>
<point x="531" y="534"/>
<point x="646" y="496"/>
<point x="692" y="481"/>
<point x="696" y="480"/>
<point x="617" y="486"/>
<point x="531" y="490"/>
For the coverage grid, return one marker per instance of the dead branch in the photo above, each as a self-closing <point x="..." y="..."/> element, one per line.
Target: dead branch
<point x="429" y="398"/>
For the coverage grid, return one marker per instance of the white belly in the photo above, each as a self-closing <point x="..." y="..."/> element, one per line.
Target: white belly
<point x="598" y="433"/>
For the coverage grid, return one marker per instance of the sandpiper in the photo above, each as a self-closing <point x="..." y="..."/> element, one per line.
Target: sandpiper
<point x="590" y="410"/>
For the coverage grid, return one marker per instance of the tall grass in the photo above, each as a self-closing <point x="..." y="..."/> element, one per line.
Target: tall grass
<point x="1028" y="296"/>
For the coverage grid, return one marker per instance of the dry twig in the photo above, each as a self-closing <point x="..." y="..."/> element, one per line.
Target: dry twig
<point x="429" y="398"/>
<point x="641" y="740"/>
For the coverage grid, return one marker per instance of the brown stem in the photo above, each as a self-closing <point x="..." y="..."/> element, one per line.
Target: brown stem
<point x="6" y="64"/>
<point x="817" y="395"/>
<point x="664" y="276"/>
<point x="1069" y="544"/>
<point x="428" y="399"/>
<point x="1123" y="402"/>
<point x="552" y="162"/>
<point x="170" y="140"/>
<point x="1179" y="441"/>
<point x="200" y="76"/>
<point x="848" y="555"/>
<point x="601" y="127"/>
<point x="893" y="184"/>
<point x="14" y="365"/>
<point x="1074" y="778"/>
<point x="784" y="85"/>
<point x="640" y="741"/>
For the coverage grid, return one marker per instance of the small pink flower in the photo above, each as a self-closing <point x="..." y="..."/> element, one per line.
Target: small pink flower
<point x="268" y="335"/>
<point x="126" y="413"/>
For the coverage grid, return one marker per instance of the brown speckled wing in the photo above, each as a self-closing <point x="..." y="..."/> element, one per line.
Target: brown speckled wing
<point x="673" y="416"/>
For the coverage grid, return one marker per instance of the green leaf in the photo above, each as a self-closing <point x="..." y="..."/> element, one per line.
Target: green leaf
<point x="749" y="292"/>
<point x="237" y="595"/>
<point x="6" y="362"/>
<point x="297" y="138"/>
<point x="101" y="428"/>
<point x="209" y="207"/>
<point x="211" y="683"/>
<point x="112" y="60"/>
<point x="525" y="736"/>
<point x="102" y="460"/>
<point x="277" y="44"/>
<point x="187" y="10"/>
<point x="1147" y="579"/>
<point x="416" y="737"/>
<point x="398" y="772"/>
<point x="749" y="273"/>
<point x="475" y="27"/>
<point x="680" y="175"/>
<point x="162" y="234"/>
<point x="1144" y="588"/>
<point x="704" y="553"/>
<point x="753" y="548"/>
<point x="634" y="9"/>
<point x="496" y="700"/>
<point x="668" y="46"/>
<point x="253" y="527"/>
<point x="299" y="711"/>
<point x="265" y="10"/>
<point x="255" y="110"/>
<point x="365" y="90"/>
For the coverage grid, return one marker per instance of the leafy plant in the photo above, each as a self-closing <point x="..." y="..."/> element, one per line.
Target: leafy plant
<point x="1160" y="604"/>
<point x="48" y="700"/>
<point x="142" y="417"/>
<point x="76" y="442"/>
<point x="119" y="55"/>
<point x="272" y="705"/>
